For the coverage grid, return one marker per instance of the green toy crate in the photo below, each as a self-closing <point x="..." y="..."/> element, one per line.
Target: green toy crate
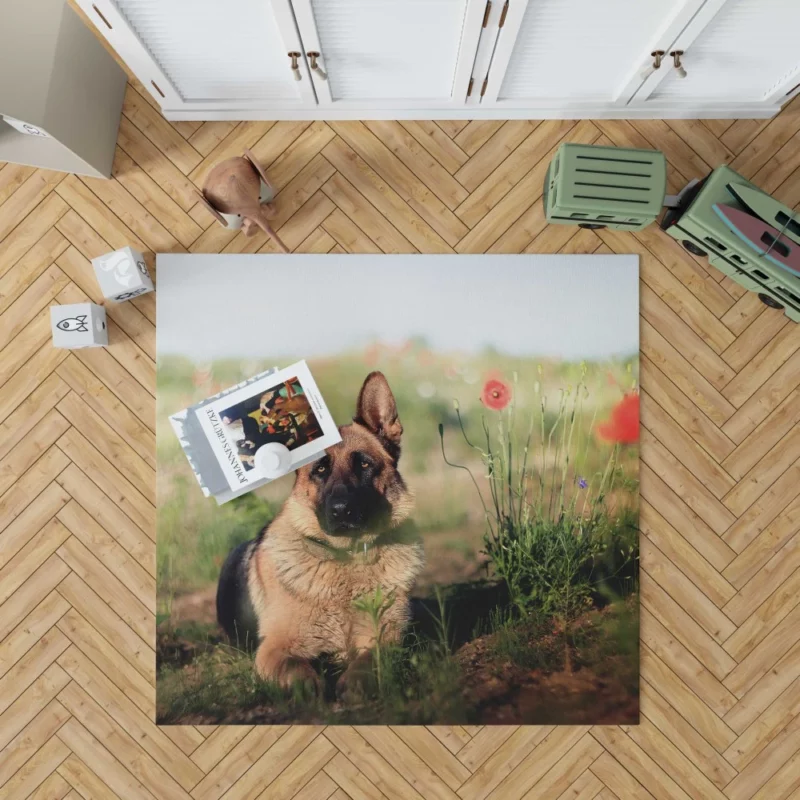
<point x="696" y="225"/>
<point x="598" y="187"/>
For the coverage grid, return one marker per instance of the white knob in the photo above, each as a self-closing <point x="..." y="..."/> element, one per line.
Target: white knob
<point x="273" y="460"/>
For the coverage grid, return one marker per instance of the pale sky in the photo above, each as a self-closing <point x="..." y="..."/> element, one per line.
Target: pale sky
<point x="306" y="306"/>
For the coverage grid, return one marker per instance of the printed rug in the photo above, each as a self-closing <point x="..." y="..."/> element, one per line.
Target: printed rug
<point x="466" y="554"/>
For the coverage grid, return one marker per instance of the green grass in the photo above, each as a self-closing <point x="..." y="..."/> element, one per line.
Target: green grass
<point x="195" y="535"/>
<point x="421" y="682"/>
<point x="220" y="683"/>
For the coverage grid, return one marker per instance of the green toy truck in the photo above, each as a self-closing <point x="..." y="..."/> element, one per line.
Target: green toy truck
<point x="696" y="225"/>
<point x="625" y="189"/>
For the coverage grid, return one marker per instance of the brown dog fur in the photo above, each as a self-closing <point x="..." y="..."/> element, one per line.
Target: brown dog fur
<point x="300" y="587"/>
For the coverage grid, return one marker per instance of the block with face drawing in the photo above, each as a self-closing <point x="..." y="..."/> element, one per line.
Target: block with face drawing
<point x="122" y="275"/>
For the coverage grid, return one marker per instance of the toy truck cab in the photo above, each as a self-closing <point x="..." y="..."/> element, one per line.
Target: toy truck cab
<point x="701" y="231"/>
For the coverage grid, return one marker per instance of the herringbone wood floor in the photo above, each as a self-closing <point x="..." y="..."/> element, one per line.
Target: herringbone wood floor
<point x="720" y="479"/>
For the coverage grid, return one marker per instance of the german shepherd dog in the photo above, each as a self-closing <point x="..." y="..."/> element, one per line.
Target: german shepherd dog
<point x="342" y="533"/>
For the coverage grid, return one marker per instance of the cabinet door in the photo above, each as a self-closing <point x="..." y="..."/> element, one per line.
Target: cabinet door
<point x="390" y="53"/>
<point x="208" y="54"/>
<point x="562" y="54"/>
<point x="734" y="51"/>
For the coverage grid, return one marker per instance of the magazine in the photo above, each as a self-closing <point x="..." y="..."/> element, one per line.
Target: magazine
<point x="222" y="434"/>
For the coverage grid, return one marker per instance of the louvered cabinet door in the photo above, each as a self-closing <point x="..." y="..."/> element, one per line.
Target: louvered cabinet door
<point x="389" y="53"/>
<point x="734" y="52"/>
<point x="564" y="54"/>
<point x="208" y="54"/>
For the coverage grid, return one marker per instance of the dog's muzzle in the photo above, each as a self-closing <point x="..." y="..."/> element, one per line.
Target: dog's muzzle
<point x="343" y="511"/>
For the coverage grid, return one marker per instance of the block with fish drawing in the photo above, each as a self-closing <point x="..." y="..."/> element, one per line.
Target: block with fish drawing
<point x="78" y="325"/>
<point x="122" y="275"/>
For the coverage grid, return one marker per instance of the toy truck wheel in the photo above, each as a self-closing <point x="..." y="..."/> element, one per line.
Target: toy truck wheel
<point x="693" y="248"/>
<point x="770" y="301"/>
<point x="592" y="226"/>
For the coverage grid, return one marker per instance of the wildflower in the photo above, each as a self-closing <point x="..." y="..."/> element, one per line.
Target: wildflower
<point x="582" y="483"/>
<point x="496" y="394"/>
<point x="623" y="427"/>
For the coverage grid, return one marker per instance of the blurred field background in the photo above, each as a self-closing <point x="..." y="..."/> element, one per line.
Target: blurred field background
<point x="195" y="535"/>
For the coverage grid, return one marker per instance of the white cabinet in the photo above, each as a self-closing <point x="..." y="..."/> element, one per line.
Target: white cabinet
<point x="207" y="54"/>
<point x="317" y="59"/>
<point x="733" y="51"/>
<point x="570" y="52"/>
<point x="397" y="53"/>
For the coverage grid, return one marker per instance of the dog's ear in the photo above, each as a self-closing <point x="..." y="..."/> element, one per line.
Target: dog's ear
<point x="377" y="411"/>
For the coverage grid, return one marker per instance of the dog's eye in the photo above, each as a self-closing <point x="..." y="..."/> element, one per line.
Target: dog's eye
<point x="321" y="469"/>
<point x="365" y="465"/>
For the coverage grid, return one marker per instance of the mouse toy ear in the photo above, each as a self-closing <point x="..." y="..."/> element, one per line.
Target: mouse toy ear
<point x="213" y="211"/>
<point x="377" y="410"/>
<point x="258" y="168"/>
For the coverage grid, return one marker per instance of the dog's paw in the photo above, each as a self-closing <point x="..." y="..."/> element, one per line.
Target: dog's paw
<point x="303" y="674"/>
<point x="357" y="682"/>
<point x="288" y="672"/>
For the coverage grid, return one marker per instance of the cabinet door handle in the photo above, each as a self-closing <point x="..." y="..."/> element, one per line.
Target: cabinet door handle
<point x="313" y="56"/>
<point x="657" y="55"/>
<point x="295" y="66"/>
<point x="676" y="60"/>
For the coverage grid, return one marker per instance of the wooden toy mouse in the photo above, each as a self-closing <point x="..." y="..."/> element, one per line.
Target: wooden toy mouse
<point x="237" y="193"/>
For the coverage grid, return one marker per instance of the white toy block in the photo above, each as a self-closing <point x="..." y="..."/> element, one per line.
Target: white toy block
<point x="122" y="274"/>
<point x="78" y="325"/>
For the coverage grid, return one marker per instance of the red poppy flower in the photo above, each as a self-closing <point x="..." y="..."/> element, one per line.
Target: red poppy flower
<point x="496" y="394"/>
<point x="623" y="427"/>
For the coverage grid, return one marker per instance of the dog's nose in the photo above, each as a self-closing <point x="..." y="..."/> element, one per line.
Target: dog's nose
<point x="338" y="505"/>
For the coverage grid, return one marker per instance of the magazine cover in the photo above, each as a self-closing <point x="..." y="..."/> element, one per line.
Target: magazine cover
<point x="198" y="449"/>
<point x="286" y="407"/>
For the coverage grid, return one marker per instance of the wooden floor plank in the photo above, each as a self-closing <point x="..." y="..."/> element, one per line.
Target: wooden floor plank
<point x="137" y="724"/>
<point x="119" y="744"/>
<point x="31" y="629"/>
<point x="109" y="587"/>
<point x="437" y="143"/>
<point x="91" y="534"/>
<point x="114" y="629"/>
<point x="682" y="661"/>
<point x="511" y="171"/>
<point x="95" y="429"/>
<point x="159" y="131"/>
<point x="416" y="212"/>
<point x="672" y="735"/>
<point x="780" y="568"/>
